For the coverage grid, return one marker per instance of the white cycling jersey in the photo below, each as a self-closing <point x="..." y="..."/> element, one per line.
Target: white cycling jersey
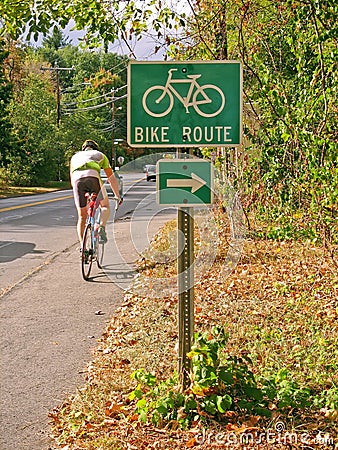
<point x="88" y="163"/>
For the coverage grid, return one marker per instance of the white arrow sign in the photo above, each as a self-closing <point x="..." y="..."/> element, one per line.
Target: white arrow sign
<point x="195" y="183"/>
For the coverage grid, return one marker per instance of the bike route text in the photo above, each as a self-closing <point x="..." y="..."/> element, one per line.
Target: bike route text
<point x="195" y="135"/>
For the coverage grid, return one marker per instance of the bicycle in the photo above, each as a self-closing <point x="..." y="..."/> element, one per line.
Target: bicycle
<point x="92" y="248"/>
<point x="194" y="99"/>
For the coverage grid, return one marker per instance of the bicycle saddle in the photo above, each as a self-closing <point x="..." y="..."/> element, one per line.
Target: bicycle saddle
<point x="194" y="76"/>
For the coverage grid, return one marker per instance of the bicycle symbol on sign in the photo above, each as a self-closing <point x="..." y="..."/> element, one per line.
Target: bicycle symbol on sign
<point x="196" y="97"/>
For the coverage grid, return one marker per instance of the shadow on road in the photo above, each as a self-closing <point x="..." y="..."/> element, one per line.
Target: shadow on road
<point x="99" y="278"/>
<point x="11" y="250"/>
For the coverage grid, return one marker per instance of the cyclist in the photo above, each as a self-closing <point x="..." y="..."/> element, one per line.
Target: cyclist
<point x="85" y="167"/>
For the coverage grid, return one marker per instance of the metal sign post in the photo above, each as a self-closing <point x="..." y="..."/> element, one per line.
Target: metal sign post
<point x="185" y="183"/>
<point x="185" y="294"/>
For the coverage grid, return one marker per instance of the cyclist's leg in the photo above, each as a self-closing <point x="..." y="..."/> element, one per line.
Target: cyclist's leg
<point x="105" y="212"/>
<point x="79" y="190"/>
<point x="105" y="209"/>
<point x="81" y="222"/>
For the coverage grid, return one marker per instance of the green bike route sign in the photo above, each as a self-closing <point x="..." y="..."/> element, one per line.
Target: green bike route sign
<point x="184" y="104"/>
<point x="184" y="182"/>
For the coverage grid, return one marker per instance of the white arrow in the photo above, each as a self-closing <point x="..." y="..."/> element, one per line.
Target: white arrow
<point x="195" y="183"/>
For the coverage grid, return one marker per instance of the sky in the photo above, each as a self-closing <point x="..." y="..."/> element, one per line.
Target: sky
<point x="143" y="49"/>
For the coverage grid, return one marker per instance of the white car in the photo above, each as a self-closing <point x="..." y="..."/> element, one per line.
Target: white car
<point x="107" y="185"/>
<point x="146" y="167"/>
<point x="151" y="173"/>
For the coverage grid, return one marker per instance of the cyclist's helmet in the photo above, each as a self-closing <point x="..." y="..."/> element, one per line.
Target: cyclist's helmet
<point x="90" y="145"/>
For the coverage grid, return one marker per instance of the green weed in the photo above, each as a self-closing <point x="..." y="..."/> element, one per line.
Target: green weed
<point x="219" y="383"/>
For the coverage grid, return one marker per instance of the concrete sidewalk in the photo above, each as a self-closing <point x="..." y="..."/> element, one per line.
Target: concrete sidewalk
<point x="49" y="326"/>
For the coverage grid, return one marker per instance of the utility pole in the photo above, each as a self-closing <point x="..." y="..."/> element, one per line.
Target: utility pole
<point x="58" y="102"/>
<point x="114" y="141"/>
<point x="113" y="156"/>
<point x="58" y="93"/>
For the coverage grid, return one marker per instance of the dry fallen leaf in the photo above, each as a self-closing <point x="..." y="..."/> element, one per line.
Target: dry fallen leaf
<point x="191" y="443"/>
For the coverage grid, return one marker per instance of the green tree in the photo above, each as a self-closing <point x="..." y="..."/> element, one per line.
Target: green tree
<point x="55" y="40"/>
<point x="289" y="55"/>
<point x="33" y="117"/>
<point x="87" y="104"/>
<point x="291" y="61"/>
<point x="6" y="141"/>
<point x="49" y="50"/>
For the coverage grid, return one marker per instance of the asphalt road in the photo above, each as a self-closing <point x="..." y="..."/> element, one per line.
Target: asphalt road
<point x="33" y="229"/>
<point x="50" y="318"/>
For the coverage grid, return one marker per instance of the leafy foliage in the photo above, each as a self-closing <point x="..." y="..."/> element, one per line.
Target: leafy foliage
<point x="219" y="383"/>
<point x="293" y="89"/>
<point x="39" y="147"/>
<point x="6" y="139"/>
<point x="103" y="22"/>
<point x="287" y="171"/>
<point x="31" y="109"/>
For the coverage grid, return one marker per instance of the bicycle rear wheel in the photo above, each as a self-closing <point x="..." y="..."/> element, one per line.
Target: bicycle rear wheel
<point x="157" y="95"/>
<point x="87" y="252"/>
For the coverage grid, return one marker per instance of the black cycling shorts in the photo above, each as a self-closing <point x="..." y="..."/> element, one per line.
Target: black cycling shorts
<point x="87" y="184"/>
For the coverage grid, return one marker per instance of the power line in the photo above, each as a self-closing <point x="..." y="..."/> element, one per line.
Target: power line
<point x="91" y="108"/>
<point x="107" y="94"/>
<point x="86" y="101"/>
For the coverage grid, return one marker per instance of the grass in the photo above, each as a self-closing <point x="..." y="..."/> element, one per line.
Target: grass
<point x="16" y="191"/>
<point x="279" y="307"/>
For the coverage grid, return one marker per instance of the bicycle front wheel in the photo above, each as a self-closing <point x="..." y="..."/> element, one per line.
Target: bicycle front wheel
<point x="87" y="252"/>
<point x="209" y="100"/>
